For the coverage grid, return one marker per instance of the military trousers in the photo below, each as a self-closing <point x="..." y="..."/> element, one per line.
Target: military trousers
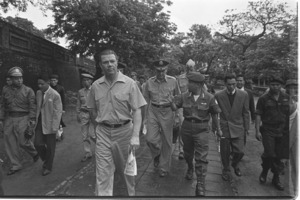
<point x="160" y="134"/>
<point x="14" y="128"/>
<point x="87" y="131"/>
<point x="195" y="137"/>
<point x="111" y="153"/>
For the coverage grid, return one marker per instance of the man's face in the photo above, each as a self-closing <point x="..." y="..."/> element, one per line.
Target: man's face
<point x="230" y="84"/>
<point x="134" y="77"/>
<point x="53" y="81"/>
<point x="86" y="82"/>
<point x="109" y="64"/>
<point x="292" y="90"/>
<point x="43" y="85"/>
<point x="160" y="74"/>
<point x="17" y="81"/>
<point x="275" y="87"/>
<point x="193" y="86"/>
<point x="8" y="81"/>
<point x="240" y="82"/>
<point x="190" y="68"/>
<point x="142" y="80"/>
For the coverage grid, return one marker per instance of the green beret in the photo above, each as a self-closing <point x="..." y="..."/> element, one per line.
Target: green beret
<point x="195" y="77"/>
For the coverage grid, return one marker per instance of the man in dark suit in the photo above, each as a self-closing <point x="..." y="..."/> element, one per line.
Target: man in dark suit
<point x="240" y="84"/>
<point x="234" y="122"/>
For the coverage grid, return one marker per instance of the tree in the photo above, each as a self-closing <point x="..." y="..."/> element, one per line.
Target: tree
<point x="262" y="16"/>
<point x="135" y="29"/>
<point x="21" y="5"/>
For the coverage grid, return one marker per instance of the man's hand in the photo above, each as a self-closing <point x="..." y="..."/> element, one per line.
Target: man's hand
<point x="32" y="123"/>
<point x="135" y="142"/>
<point x="258" y="136"/>
<point x="219" y="132"/>
<point x="170" y="97"/>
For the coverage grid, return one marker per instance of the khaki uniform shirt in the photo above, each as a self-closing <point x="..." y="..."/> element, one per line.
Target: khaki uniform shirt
<point x="199" y="109"/>
<point x="18" y="100"/>
<point x="115" y="102"/>
<point x="81" y="99"/>
<point x="157" y="92"/>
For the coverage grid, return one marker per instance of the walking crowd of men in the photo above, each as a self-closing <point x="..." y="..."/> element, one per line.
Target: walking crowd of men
<point x="114" y="109"/>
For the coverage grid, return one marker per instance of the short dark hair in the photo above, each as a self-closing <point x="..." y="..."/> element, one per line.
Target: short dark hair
<point x="107" y="52"/>
<point x="229" y="76"/>
<point x="44" y="77"/>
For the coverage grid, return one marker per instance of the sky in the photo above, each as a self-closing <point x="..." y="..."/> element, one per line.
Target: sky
<point x="184" y="13"/>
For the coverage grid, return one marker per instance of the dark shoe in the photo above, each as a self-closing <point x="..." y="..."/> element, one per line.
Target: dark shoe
<point x="46" y="172"/>
<point x="189" y="174"/>
<point x="163" y="173"/>
<point x="156" y="161"/>
<point x="85" y="158"/>
<point x="12" y="171"/>
<point x="263" y="176"/>
<point x="237" y="171"/>
<point x="226" y="176"/>
<point x="180" y="156"/>
<point x="36" y="158"/>
<point x="276" y="183"/>
<point x="44" y="165"/>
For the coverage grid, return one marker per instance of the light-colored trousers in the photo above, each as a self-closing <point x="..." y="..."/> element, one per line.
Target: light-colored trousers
<point x="14" y="128"/>
<point x="87" y="131"/>
<point x="111" y="154"/>
<point x="160" y="134"/>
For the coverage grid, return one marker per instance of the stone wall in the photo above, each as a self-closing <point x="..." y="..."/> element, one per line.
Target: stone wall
<point x="35" y="56"/>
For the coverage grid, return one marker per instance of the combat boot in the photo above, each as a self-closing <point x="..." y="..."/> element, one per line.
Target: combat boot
<point x="263" y="176"/>
<point x="200" y="187"/>
<point x="276" y="182"/>
<point x="266" y="164"/>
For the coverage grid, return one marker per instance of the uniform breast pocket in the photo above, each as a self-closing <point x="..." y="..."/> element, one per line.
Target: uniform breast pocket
<point x="122" y="99"/>
<point x="82" y="99"/>
<point x="202" y="110"/>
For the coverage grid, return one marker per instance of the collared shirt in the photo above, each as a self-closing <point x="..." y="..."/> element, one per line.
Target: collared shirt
<point x="114" y="102"/>
<point x="81" y="98"/>
<point x="20" y="99"/>
<point x="201" y="109"/>
<point x="274" y="113"/>
<point x="157" y="92"/>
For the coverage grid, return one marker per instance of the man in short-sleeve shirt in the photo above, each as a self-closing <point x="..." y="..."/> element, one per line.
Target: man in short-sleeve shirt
<point x="116" y="102"/>
<point x="160" y="116"/>
<point x="198" y="105"/>
<point x="272" y="124"/>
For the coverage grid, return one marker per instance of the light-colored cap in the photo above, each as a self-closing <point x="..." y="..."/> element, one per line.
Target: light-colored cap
<point x="85" y="75"/>
<point x="190" y="63"/>
<point x="15" y="71"/>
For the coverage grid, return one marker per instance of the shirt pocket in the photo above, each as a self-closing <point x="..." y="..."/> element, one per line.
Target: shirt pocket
<point x="122" y="100"/>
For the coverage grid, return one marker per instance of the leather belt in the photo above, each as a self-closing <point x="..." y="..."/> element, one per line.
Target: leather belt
<point x="161" y="106"/>
<point x="194" y="120"/>
<point x="18" y="114"/>
<point x="115" y="125"/>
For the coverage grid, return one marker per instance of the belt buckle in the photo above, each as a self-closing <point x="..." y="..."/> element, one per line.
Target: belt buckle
<point x="193" y="121"/>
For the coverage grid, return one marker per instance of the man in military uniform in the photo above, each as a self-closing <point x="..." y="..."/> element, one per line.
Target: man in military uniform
<point x="197" y="106"/>
<point x="133" y="75"/>
<point x="272" y="124"/>
<point x="160" y="116"/>
<point x="17" y="112"/>
<point x="83" y="116"/>
<point x="183" y="85"/>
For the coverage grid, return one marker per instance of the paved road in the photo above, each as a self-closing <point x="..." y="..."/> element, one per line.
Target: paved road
<point x="70" y="177"/>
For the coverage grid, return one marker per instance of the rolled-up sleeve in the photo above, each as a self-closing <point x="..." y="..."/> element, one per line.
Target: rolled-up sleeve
<point x="214" y="106"/>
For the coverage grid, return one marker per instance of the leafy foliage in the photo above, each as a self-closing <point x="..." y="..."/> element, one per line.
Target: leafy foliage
<point x="136" y="30"/>
<point x="21" y="5"/>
